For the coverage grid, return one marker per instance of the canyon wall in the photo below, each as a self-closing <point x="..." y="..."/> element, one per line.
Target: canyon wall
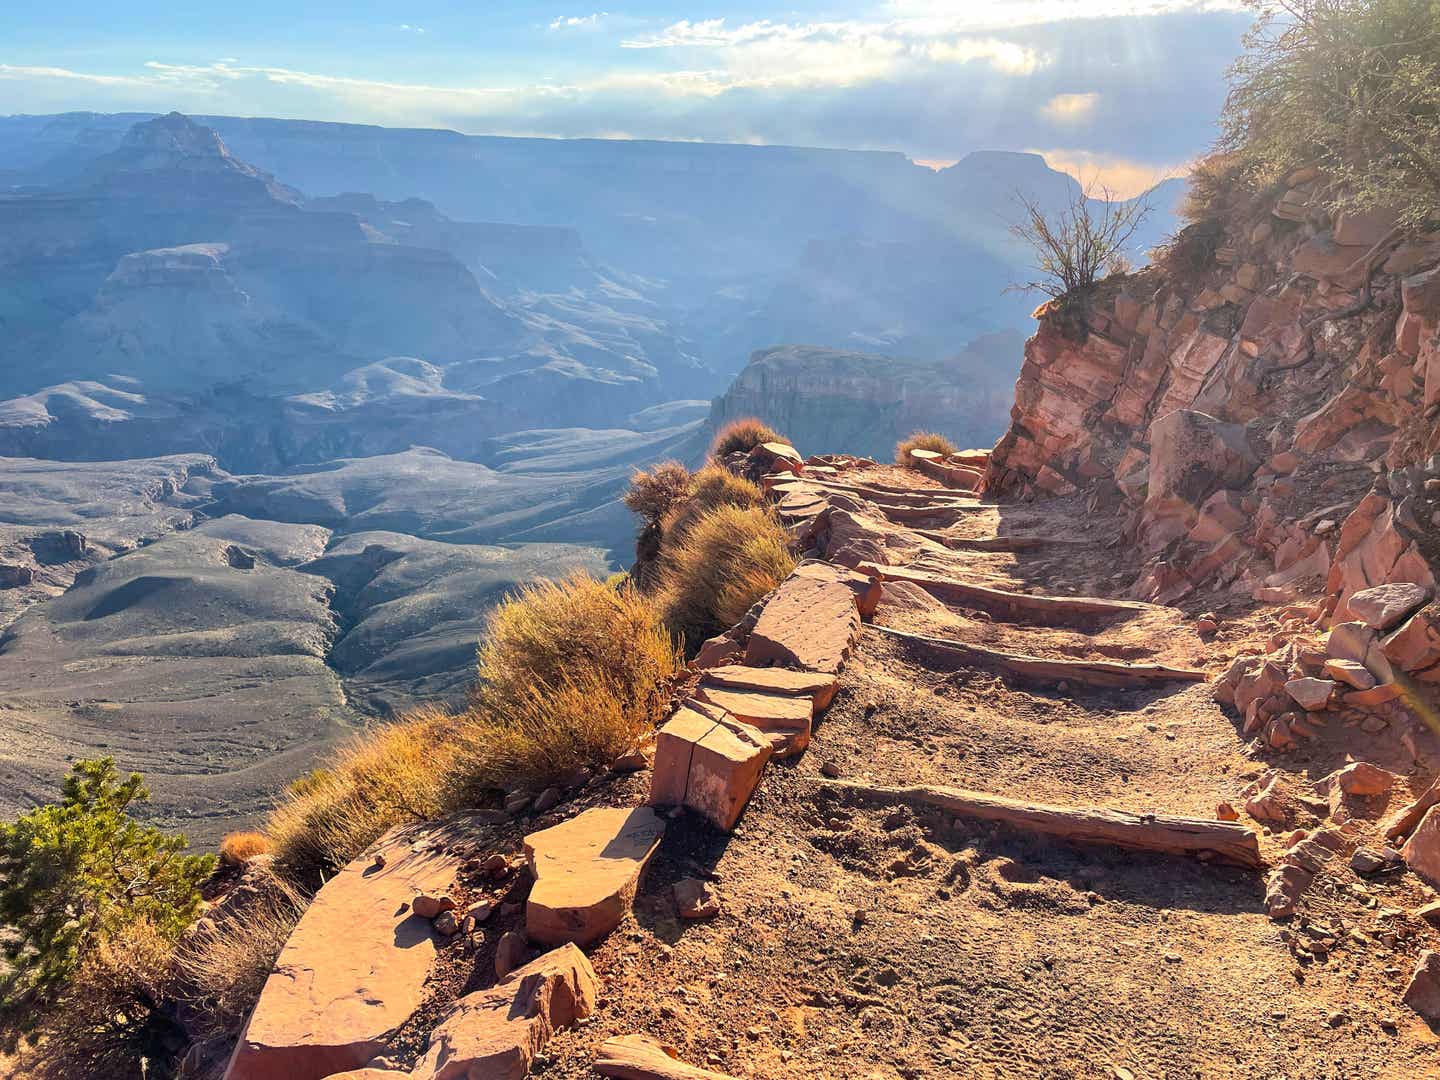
<point x="1262" y="404"/>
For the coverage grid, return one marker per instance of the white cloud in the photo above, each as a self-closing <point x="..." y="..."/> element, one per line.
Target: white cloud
<point x="577" y="22"/>
<point x="1070" y="108"/>
<point x="409" y="29"/>
<point x="14" y="71"/>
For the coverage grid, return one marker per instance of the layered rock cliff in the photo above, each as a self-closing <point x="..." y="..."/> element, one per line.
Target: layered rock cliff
<point x="1261" y="403"/>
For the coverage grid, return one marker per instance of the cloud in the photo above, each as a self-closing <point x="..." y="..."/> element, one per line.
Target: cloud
<point x="409" y="29"/>
<point x="1123" y="177"/>
<point x="1071" y="108"/>
<point x="573" y="22"/>
<point x="1138" y="89"/>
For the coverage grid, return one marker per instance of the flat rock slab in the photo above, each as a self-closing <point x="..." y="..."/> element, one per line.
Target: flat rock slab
<point x="353" y="970"/>
<point x="783" y="718"/>
<point x="819" y="687"/>
<point x="1386" y="606"/>
<point x="586" y="872"/>
<point x="495" y="1034"/>
<point x="708" y="762"/>
<point x="808" y="623"/>
<point x="639" y="1057"/>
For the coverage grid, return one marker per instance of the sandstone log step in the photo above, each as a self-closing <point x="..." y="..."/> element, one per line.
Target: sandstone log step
<point x="904" y="515"/>
<point x="783" y="718"/>
<point x="1008" y="542"/>
<point x="1106" y="673"/>
<point x="709" y="762"/>
<point x="499" y="1031"/>
<point x="1226" y="841"/>
<point x="817" y="686"/>
<point x="1016" y="606"/>
<point x="586" y="871"/>
<point x="639" y="1057"/>
<point x="353" y="969"/>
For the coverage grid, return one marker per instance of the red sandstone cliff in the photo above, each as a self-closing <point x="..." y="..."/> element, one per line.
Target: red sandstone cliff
<point x="1262" y="404"/>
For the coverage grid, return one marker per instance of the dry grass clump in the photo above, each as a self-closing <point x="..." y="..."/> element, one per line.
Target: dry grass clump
<point x="743" y="434"/>
<point x="391" y="774"/>
<point x="714" y="486"/>
<point x="110" y="1020"/>
<point x="238" y="848"/>
<point x="654" y="493"/>
<point x="224" y="964"/>
<point x="571" y="672"/>
<point x="922" y="440"/>
<point x="728" y="559"/>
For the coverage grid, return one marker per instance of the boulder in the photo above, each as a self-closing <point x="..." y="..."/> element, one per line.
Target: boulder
<point x="495" y="1034"/>
<point x="1312" y="695"/>
<point x="16" y="575"/>
<point x="807" y="623"/>
<point x="1356" y="676"/>
<point x="639" y="1057"/>
<point x="1422" y="850"/>
<point x="1193" y="455"/>
<point x="1362" y="778"/>
<point x="1423" y="993"/>
<point x="709" y="762"/>
<point x="778" y="455"/>
<point x="1415" y="645"/>
<point x="1357" y="642"/>
<point x="1386" y="606"/>
<point x="353" y="970"/>
<point x="866" y="589"/>
<point x="586" y="871"/>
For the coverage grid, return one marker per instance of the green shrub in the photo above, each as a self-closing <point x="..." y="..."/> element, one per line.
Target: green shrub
<point x="1349" y="86"/>
<point x="78" y="873"/>
<point x="743" y="434"/>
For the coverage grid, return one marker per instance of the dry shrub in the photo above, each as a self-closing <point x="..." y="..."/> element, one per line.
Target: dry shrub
<point x="571" y="672"/>
<point x="1187" y="258"/>
<point x="743" y="434"/>
<point x="392" y="774"/>
<point x="714" y="486"/>
<point x="238" y="848"/>
<point x="224" y="964"/>
<point x="655" y="493"/>
<point x="111" y="1019"/>
<point x="729" y="558"/>
<point x="922" y="440"/>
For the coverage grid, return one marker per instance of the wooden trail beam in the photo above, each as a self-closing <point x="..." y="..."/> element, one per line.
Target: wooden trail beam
<point x="904" y="515"/>
<point x="1226" y="841"/>
<point x="639" y="1057"/>
<point x="1016" y="605"/>
<point x="1105" y="673"/>
<point x="912" y="497"/>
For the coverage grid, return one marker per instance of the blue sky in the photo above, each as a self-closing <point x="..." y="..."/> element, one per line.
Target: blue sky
<point x="1128" y="89"/>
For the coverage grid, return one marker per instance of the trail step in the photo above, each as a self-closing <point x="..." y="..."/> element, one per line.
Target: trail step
<point x="1001" y="543"/>
<point x="1226" y="841"/>
<point x="817" y="686"/>
<point x="1014" y="605"/>
<point x="1104" y="673"/>
<point x="783" y="718"/>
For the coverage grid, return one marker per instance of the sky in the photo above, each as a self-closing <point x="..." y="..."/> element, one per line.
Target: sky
<point x="1124" y="91"/>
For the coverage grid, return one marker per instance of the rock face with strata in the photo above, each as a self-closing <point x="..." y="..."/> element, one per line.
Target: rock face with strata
<point x="328" y="1006"/>
<point x="586" y="872"/>
<point x="1314" y="469"/>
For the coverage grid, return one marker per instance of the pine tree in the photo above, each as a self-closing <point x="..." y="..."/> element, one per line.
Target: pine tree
<point x="75" y="873"/>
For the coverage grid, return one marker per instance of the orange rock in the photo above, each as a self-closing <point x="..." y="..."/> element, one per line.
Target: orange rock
<point x="809" y="623"/>
<point x="709" y="762"/>
<point x="586" y="871"/>
<point x="495" y="1034"/>
<point x="639" y="1057"/>
<point x="1422" y="850"/>
<point x="818" y="687"/>
<point x="1377" y="695"/>
<point x="353" y="970"/>
<point x="785" y="719"/>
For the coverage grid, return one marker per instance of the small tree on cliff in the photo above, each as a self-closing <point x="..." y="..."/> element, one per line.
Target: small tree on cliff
<point x="1076" y="246"/>
<point x="77" y="877"/>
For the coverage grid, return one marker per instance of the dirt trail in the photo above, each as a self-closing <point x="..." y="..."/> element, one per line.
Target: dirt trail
<point x="861" y="940"/>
